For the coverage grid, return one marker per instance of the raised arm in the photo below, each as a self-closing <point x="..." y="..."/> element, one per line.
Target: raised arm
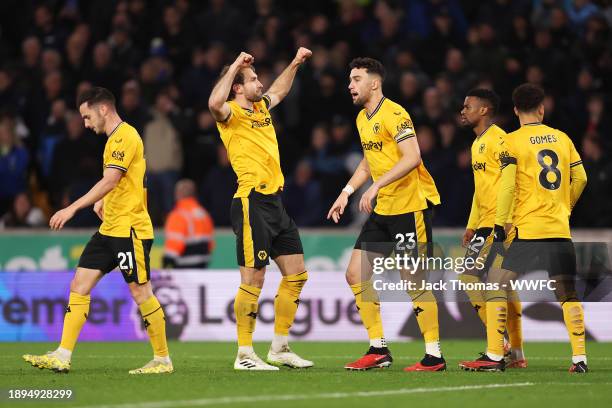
<point x="281" y="85"/>
<point x="217" y="102"/>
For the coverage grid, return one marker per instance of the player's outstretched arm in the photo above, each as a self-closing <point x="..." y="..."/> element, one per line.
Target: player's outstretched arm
<point x="281" y="85"/>
<point x="411" y="158"/>
<point x="217" y="102"/>
<point x="110" y="179"/>
<point x="360" y="176"/>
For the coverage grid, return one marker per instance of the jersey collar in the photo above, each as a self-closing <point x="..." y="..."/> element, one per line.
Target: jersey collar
<point x="375" y="110"/>
<point x="115" y="129"/>
<point x="485" y="131"/>
<point x="533" y="124"/>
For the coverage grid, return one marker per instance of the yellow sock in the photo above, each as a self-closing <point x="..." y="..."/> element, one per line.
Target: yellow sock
<point x="369" y="308"/>
<point x="426" y="311"/>
<point x="245" y="309"/>
<point x="76" y="314"/>
<point x="497" y="314"/>
<point x="573" y="314"/>
<point x="476" y="296"/>
<point x="514" y="325"/>
<point x="155" y="323"/>
<point x="286" y="302"/>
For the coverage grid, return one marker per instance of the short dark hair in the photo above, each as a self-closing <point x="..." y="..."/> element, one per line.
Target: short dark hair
<point x="238" y="80"/>
<point x="371" y="65"/>
<point x="96" y="95"/>
<point x="527" y="97"/>
<point x="487" y="95"/>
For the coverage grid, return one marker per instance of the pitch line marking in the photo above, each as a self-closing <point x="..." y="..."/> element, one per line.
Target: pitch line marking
<point x="296" y="397"/>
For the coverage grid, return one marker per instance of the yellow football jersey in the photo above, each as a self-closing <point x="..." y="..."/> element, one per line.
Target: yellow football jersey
<point x="380" y="133"/>
<point x="487" y="173"/>
<point x="250" y="140"/>
<point x="544" y="157"/>
<point x="125" y="207"/>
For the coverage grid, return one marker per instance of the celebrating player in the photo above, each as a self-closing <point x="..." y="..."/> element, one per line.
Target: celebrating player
<point x="262" y="227"/>
<point x="124" y="239"/>
<point x="543" y="174"/>
<point x="479" y="108"/>
<point x="405" y="193"/>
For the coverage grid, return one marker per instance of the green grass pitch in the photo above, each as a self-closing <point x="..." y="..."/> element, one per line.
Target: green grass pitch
<point x="204" y="377"/>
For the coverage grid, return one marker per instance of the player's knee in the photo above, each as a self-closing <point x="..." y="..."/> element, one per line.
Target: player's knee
<point x="140" y="293"/>
<point x="352" y="276"/>
<point x="79" y="287"/>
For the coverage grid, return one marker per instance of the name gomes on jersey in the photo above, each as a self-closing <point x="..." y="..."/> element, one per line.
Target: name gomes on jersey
<point x="371" y="145"/>
<point x="543" y="139"/>
<point x="260" y="124"/>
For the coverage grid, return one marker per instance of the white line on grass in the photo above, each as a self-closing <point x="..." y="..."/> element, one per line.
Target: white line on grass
<point x="296" y="397"/>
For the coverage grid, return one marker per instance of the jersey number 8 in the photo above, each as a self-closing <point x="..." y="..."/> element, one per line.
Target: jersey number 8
<point x="549" y="168"/>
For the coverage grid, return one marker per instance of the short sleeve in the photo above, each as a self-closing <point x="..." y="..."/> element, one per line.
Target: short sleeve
<point x="507" y="152"/>
<point x="122" y="149"/>
<point x="234" y="109"/>
<point x="399" y="124"/>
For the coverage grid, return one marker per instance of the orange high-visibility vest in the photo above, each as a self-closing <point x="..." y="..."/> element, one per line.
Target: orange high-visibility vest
<point x="189" y="235"/>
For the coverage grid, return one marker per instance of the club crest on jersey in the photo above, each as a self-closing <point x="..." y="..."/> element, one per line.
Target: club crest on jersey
<point x="376" y="128"/>
<point x="481" y="149"/>
<point x="371" y="145"/>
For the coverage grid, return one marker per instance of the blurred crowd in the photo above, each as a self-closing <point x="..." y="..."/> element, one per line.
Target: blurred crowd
<point x="161" y="58"/>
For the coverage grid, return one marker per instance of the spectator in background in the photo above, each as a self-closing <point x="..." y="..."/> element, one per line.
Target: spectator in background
<point x="593" y="208"/>
<point x="23" y="214"/>
<point x="218" y="188"/>
<point x="14" y="160"/>
<point x="164" y="155"/>
<point x="201" y="147"/>
<point x="131" y="108"/>
<point x="189" y="231"/>
<point x="302" y="197"/>
<point x="76" y="160"/>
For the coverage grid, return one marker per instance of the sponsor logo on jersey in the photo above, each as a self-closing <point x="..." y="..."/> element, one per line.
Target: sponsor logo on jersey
<point x="118" y="155"/>
<point x="371" y="145"/>
<point x="406" y="125"/>
<point x="261" y="124"/>
<point x="479" y="166"/>
<point x="481" y="149"/>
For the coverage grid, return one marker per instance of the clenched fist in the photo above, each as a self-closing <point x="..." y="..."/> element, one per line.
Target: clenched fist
<point x="302" y="55"/>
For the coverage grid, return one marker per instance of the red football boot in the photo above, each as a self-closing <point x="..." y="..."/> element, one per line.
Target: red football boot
<point x="374" y="358"/>
<point x="484" y="363"/>
<point x="428" y="363"/>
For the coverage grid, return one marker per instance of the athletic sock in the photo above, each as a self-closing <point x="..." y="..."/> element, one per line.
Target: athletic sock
<point x="245" y="309"/>
<point x="425" y="309"/>
<point x="286" y="302"/>
<point x="497" y="313"/>
<point x="366" y="300"/>
<point x="476" y="296"/>
<point x="76" y="315"/>
<point x="155" y="323"/>
<point x="573" y="315"/>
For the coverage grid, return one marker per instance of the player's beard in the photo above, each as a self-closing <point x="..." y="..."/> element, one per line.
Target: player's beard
<point x="467" y="124"/>
<point x="258" y="96"/>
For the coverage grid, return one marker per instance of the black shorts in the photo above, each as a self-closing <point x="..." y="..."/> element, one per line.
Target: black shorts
<point x="131" y="255"/>
<point x="404" y="233"/>
<point x="263" y="229"/>
<point x="557" y="256"/>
